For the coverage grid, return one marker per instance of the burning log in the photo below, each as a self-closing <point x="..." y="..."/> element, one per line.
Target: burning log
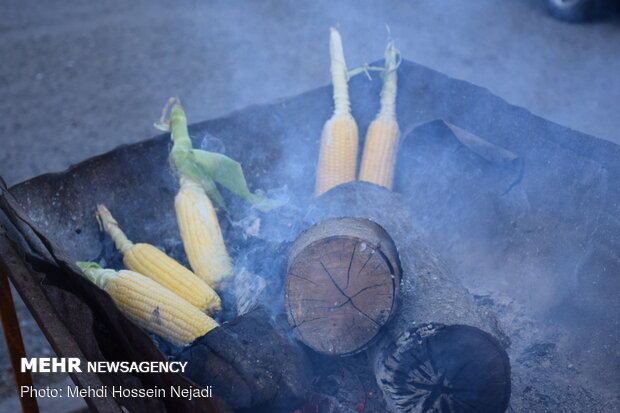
<point x="439" y="333"/>
<point x="341" y="286"/>
<point x="446" y="369"/>
<point x="249" y="361"/>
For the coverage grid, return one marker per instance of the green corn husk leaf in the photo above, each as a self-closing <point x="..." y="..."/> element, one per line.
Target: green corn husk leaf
<point x="89" y="269"/>
<point x="212" y="192"/>
<point x="183" y="162"/>
<point x="87" y="265"/>
<point x="207" y="168"/>
<point x="365" y="69"/>
<point x="228" y="173"/>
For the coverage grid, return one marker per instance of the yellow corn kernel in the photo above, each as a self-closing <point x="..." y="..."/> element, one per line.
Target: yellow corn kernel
<point x="201" y="234"/>
<point x="338" y="153"/>
<point x="152" y="306"/>
<point x="383" y="135"/>
<point x="154" y="263"/>
<point x="379" y="157"/>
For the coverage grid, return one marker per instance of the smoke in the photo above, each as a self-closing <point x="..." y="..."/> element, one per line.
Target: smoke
<point x="514" y="205"/>
<point x="530" y="230"/>
<point x="521" y="210"/>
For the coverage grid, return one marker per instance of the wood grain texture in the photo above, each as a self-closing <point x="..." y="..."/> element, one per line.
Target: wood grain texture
<point x="341" y="284"/>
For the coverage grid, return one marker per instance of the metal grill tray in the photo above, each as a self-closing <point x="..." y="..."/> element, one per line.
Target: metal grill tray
<point x="524" y="211"/>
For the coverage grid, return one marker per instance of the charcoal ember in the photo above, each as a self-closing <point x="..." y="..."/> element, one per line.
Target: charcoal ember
<point x="322" y="403"/>
<point x="348" y="380"/>
<point x="341" y="284"/>
<point x="250" y="361"/>
<point x="444" y="369"/>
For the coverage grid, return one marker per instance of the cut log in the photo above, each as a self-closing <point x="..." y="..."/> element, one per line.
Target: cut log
<point x="429" y="292"/>
<point x="342" y="282"/>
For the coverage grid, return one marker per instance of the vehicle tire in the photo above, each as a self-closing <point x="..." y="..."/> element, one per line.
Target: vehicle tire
<point x="577" y="10"/>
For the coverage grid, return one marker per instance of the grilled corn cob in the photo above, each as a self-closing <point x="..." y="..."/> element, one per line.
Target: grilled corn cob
<point x="198" y="173"/>
<point x="150" y="305"/>
<point x="196" y="216"/>
<point x="201" y="234"/>
<point x="379" y="157"/>
<point x="154" y="263"/>
<point x="339" y="140"/>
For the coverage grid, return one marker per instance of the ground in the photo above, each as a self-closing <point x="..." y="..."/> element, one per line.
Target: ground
<point x="78" y="78"/>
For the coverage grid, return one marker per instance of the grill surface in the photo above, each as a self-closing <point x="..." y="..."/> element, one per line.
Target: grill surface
<point x="523" y="210"/>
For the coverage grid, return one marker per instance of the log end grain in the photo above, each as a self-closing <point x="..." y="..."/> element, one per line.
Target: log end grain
<point x="341" y="285"/>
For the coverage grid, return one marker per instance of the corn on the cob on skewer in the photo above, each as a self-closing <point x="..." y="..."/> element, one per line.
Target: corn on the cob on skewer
<point x="196" y="216"/>
<point x="154" y="263"/>
<point x="149" y="304"/>
<point x="198" y="173"/>
<point x="383" y="135"/>
<point x="339" y="140"/>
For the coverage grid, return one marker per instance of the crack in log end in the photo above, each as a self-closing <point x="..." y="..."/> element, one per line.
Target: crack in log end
<point x="333" y="281"/>
<point x="350" y="264"/>
<point x="303" y="278"/>
<point x="340" y="291"/>
<point x="454" y="369"/>
<point x="349" y="299"/>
